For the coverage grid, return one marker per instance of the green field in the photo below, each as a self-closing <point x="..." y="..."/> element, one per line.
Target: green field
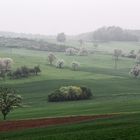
<point x="114" y="91"/>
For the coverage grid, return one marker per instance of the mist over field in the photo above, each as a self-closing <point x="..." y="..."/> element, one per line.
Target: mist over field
<point x="69" y="70"/>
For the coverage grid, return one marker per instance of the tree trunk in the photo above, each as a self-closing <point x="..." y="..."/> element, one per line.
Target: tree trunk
<point x="4" y="116"/>
<point x="115" y="64"/>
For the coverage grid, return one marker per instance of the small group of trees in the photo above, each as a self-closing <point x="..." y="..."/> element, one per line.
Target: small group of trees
<point x="81" y="52"/>
<point x="9" y="100"/>
<point x="60" y="62"/>
<point x="52" y="58"/>
<point x="69" y="93"/>
<point x="24" y="71"/>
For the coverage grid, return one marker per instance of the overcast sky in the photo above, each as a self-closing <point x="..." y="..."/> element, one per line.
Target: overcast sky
<point x="69" y="16"/>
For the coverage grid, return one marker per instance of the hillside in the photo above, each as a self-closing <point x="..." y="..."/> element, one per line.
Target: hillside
<point x="31" y="44"/>
<point x="111" y="33"/>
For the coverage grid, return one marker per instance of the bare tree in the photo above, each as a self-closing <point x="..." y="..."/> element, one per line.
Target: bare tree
<point x="116" y="55"/>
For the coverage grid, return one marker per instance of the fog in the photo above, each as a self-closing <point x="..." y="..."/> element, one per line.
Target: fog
<point x="69" y="16"/>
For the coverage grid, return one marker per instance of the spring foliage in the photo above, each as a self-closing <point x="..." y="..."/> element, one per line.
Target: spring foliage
<point x="60" y="63"/>
<point x="5" y="64"/>
<point x="51" y="58"/>
<point x="69" y="93"/>
<point x="71" y="51"/>
<point x="8" y="100"/>
<point x="135" y="71"/>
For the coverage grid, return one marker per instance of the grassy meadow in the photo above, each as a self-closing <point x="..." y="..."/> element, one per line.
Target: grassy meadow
<point x="114" y="91"/>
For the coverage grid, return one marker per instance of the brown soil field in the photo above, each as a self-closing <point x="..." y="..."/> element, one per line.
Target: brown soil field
<point x="45" y="122"/>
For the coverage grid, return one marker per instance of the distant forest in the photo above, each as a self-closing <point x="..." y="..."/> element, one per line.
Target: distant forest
<point x="111" y="33"/>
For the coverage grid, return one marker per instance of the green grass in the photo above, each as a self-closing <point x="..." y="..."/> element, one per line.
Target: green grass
<point x="122" y="127"/>
<point x="113" y="90"/>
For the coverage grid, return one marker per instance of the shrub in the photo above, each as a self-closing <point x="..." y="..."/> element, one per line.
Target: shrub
<point x="70" y="93"/>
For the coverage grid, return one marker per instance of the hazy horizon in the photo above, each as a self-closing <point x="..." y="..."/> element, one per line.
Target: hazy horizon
<point x="50" y="17"/>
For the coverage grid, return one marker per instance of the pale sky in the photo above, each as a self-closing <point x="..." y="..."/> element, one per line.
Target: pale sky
<point x="69" y="16"/>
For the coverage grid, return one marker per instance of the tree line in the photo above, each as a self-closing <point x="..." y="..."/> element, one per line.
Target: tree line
<point x="113" y="33"/>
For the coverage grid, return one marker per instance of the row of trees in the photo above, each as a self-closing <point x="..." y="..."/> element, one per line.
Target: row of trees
<point x="24" y="71"/>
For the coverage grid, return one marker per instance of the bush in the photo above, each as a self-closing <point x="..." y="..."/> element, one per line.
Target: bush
<point x="70" y="93"/>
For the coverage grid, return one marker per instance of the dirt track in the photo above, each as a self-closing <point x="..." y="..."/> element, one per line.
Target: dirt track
<point x="34" y="123"/>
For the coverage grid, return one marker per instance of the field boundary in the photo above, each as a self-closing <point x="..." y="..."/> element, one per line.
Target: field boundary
<point x="45" y="122"/>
